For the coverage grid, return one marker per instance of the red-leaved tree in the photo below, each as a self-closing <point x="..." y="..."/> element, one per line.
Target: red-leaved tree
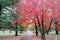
<point x="40" y="12"/>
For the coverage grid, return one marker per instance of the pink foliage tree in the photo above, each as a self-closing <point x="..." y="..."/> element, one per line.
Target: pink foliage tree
<point x="40" y="12"/>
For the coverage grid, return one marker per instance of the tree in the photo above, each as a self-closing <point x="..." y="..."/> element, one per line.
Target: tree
<point x="36" y="27"/>
<point x="21" y="28"/>
<point x="57" y="26"/>
<point x="45" y="10"/>
<point x="0" y="8"/>
<point x="7" y="16"/>
<point x="5" y="3"/>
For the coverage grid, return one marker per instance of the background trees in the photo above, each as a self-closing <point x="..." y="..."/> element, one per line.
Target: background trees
<point x="7" y="16"/>
<point x="4" y="3"/>
<point x="4" y="7"/>
<point x="8" y="2"/>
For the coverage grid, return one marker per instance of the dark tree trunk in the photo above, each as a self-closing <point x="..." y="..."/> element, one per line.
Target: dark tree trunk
<point x="3" y="30"/>
<point x="21" y="31"/>
<point x="36" y="29"/>
<point x="56" y="31"/>
<point x="42" y="29"/>
<point x="48" y="30"/>
<point x="16" y="33"/>
<point x="49" y="26"/>
<point x="0" y="8"/>
<point x="39" y="27"/>
<point x="10" y="31"/>
<point x="56" y="23"/>
<point x="43" y="32"/>
<point x="43" y="36"/>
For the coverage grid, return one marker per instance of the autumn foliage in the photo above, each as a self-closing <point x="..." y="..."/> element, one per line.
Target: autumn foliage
<point x="29" y="9"/>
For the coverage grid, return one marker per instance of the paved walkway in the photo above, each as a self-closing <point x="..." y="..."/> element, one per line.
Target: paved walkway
<point x="28" y="36"/>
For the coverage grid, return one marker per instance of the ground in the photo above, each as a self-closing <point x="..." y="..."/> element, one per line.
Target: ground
<point x="33" y="38"/>
<point x="30" y="37"/>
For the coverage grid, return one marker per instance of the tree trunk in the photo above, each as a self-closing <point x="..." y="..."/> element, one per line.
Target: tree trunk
<point x="0" y="8"/>
<point x="47" y="32"/>
<point x="56" y="31"/>
<point x="42" y="29"/>
<point x="56" y="23"/>
<point x="16" y="33"/>
<point x="43" y="36"/>
<point x="3" y="30"/>
<point x="10" y="31"/>
<point x="49" y="26"/>
<point x="21" y="31"/>
<point x="43" y="33"/>
<point x="36" y="29"/>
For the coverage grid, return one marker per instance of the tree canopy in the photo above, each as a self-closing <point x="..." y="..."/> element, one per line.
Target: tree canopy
<point x="29" y="9"/>
<point x="8" y="2"/>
